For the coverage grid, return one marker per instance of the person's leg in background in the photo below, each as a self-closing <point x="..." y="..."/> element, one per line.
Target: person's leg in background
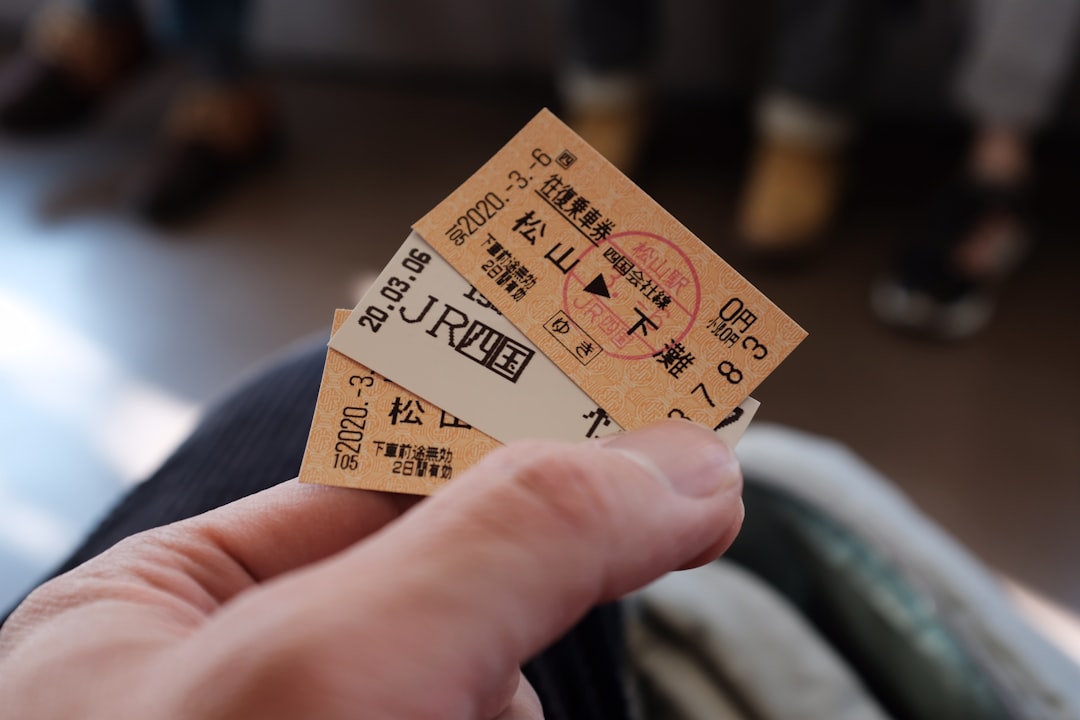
<point x="605" y="83"/>
<point x="1009" y="80"/>
<point x="221" y="128"/>
<point x="804" y="119"/>
<point x="255" y="439"/>
<point x="819" y="60"/>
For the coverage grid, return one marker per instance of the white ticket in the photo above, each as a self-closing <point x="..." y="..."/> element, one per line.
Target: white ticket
<point x="427" y="329"/>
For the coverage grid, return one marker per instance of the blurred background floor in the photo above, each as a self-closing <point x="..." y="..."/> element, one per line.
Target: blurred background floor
<point x="113" y="335"/>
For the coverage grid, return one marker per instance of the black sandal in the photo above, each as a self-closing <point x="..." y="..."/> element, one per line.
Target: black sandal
<point x="930" y="290"/>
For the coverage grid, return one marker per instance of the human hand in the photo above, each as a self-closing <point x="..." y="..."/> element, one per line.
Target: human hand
<point x="317" y="602"/>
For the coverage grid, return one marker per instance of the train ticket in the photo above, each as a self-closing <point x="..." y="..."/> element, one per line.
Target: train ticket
<point x="422" y="325"/>
<point x="370" y="433"/>
<point x="624" y="299"/>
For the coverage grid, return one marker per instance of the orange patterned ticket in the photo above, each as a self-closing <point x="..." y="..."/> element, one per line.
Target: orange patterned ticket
<point x="369" y="433"/>
<point x="641" y="314"/>
<point x="372" y="434"/>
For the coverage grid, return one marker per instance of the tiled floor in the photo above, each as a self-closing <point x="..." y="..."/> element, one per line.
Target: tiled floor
<point x="113" y="335"/>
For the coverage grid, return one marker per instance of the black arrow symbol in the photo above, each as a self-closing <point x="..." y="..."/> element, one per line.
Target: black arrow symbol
<point x="598" y="287"/>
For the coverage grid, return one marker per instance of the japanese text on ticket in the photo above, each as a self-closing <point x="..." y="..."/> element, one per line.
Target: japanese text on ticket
<point x="370" y="433"/>
<point x="642" y="315"/>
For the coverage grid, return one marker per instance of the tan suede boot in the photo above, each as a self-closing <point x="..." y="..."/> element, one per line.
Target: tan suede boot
<point x="795" y="181"/>
<point x="790" y="197"/>
<point x="610" y="112"/>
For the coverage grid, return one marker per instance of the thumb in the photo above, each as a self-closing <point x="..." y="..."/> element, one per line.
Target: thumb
<point x="444" y="603"/>
<point x="541" y="532"/>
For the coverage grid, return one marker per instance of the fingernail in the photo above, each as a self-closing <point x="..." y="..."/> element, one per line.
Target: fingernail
<point x="689" y="457"/>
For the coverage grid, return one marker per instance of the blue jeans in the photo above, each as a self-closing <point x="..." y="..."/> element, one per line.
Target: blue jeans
<point x="818" y="54"/>
<point x="213" y="31"/>
<point x="1016" y="59"/>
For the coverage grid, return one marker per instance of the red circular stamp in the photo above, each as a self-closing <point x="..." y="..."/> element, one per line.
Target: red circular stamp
<point x="634" y="293"/>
